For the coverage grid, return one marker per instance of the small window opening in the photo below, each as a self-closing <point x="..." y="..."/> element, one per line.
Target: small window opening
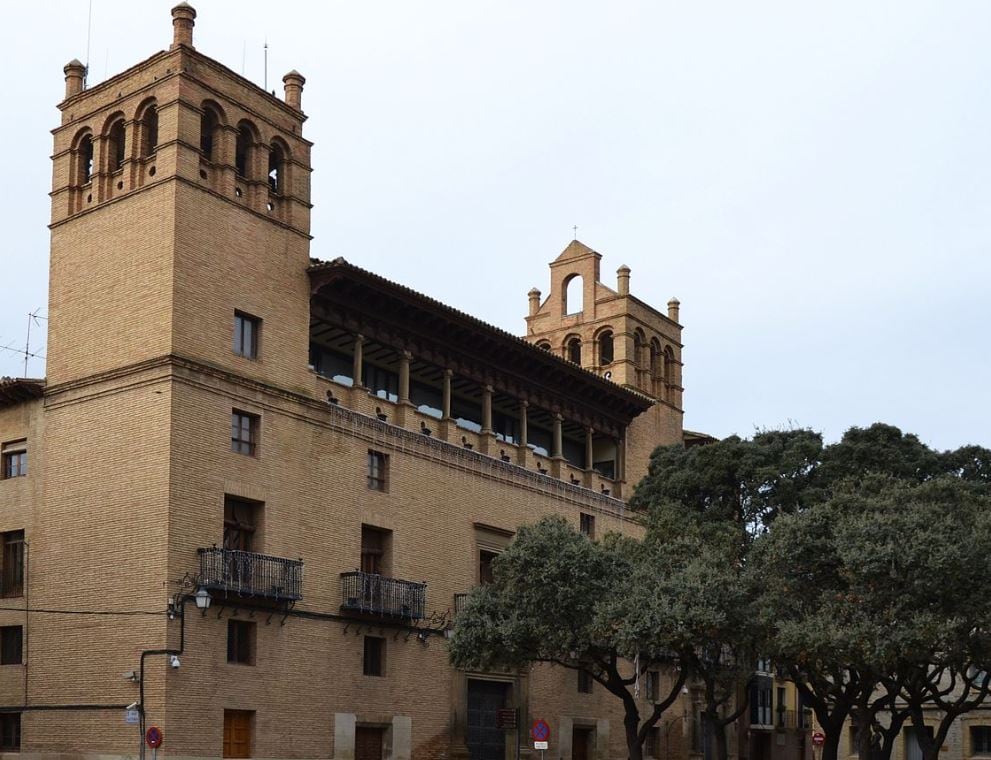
<point x="246" y="330"/>
<point x="276" y="169"/>
<point x="209" y="123"/>
<point x="149" y="131"/>
<point x="586" y="524"/>
<point x="11" y="645"/>
<point x="485" y="559"/>
<point x="242" y="151"/>
<point x="244" y="432"/>
<point x="86" y="160"/>
<point x="378" y="470"/>
<point x="606" y="348"/>
<point x="241" y="520"/>
<point x="373" y="660"/>
<point x="584" y="682"/>
<point x="544" y="345"/>
<point x="575" y="351"/>
<point x="117" y="146"/>
<point x="574" y="295"/>
<point x="241" y="642"/>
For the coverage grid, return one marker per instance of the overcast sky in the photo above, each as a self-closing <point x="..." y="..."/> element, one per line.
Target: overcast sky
<point x="811" y="180"/>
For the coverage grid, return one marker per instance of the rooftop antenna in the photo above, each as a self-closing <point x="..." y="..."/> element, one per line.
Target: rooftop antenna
<point x="244" y="55"/>
<point x="266" y="64"/>
<point x="89" y="36"/>
<point x="33" y="318"/>
<point x="575" y="228"/>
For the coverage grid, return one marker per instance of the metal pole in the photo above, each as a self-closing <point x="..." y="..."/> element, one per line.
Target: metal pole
<point x="519" y="728"/>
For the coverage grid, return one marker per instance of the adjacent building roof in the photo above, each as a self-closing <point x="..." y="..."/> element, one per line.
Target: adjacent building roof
<point x="17" y="390"/>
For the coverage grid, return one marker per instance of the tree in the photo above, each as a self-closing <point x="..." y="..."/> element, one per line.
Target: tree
<point x="558" y="597"/>
<point x="868" y="597"/>
<point x="706" y="505"/>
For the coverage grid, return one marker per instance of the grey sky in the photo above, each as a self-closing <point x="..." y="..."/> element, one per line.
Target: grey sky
<point x="811" y="180"/>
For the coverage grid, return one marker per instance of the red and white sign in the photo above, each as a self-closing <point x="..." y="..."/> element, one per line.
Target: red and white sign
<point x="540" y="731"/>
<point x="153" y="737"/>
<point x="818" y="738"/>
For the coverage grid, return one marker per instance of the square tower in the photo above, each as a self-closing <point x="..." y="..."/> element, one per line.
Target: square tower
<point x="617" y="336"/>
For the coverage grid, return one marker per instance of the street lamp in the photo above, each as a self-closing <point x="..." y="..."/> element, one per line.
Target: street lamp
<point x="203" y="599"/>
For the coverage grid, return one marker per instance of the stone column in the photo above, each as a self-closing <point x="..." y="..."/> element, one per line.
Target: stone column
<point x="521" y="453"/>
<point x="620" y="466"/>
<point x="359" y="354"/>
<point x="589" y="456"/>
<point x="404" y="407"/>
<point x="446" y="422"/>
<point x="487" y="436"/>
<point x="557" y="447"/>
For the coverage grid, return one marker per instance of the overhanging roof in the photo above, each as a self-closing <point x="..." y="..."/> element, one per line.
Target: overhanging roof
<point x="17" y="390"/>
<point x="380" y="299"/>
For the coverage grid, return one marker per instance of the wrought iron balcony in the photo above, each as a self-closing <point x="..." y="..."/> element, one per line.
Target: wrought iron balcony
<point x="377" y="595"/>
<point x="249" y="575"/>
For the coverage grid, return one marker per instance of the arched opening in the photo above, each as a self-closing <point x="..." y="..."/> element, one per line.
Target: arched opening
<point x="606" y="354"/>
<point x="116" y="147"/>
<point x="668" y="374"/>
<point x="84" y="159"/>
<point x="574" y="292"/>
<point x="573" y="350"/>
<point x="656" y="367"/>
<point x="277" y="168"/>
<point x="149" y="130"/>
<point x="209" y="133"/>
<point x="544" y="345"/>
<point x="244" y="149"/>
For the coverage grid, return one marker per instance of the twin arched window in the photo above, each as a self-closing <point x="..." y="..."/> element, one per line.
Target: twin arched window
<point x="148" y="125"/>
<point x="277" y="168"/>
<point x="83" y="155"/>
<point x="209" y="132"/>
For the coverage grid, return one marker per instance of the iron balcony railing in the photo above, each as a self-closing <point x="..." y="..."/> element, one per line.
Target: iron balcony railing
<point x="251" y="575"/>
<point x="377" y="595"/>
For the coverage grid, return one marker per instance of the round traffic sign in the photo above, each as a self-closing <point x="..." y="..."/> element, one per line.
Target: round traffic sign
<point x="540" y="732"/>
<point x="818" y="738"/>
<point x="153" y="737"/>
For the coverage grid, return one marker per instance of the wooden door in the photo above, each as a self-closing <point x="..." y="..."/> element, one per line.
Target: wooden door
<point x="581" y="741"/>
<point x="237" y="733"/>
<point x="367" y="743"/>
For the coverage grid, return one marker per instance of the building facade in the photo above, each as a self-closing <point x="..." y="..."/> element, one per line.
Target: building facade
<point x="328" y="458"/>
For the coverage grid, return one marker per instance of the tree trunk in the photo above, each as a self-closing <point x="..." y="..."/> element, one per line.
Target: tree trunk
<point x="831" y="747"/>
<point x="631" y="723"/>
<point x="720" y="743"/>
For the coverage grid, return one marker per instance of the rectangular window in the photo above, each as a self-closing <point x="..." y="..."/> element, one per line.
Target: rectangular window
<point x="15" y="459"/>
<point x="11" y="645"/>
<point x="378" y="467"/>
<point x="237" y="733"/>
<point x="485" y="566"/>
<point x="780" y="707"/>
<point x="652" y="685"/>
<point x="584" y="682"/>
<point x="980" y="740"/>
<point x="12" y="569"/>
<point x="241" y="518"/>
<point x="373" y="661"/>
<point x="241" y="642"/>
<point x="653" y="742"/>
<point x="586" y="524"/>
<point x="10" y="731"/>
<point x="374" y="550"/>
<point x="246" y="330"/>
<point x="244" y="432"/>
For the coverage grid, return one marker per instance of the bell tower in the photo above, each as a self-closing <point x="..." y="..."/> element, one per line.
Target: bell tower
<point x="614" y="334"/>
<point x="180" y="194"/>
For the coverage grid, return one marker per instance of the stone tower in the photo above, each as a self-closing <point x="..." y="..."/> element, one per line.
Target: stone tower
<point x="180" y="215"/>
<point x="156" y="170"/>
<point x="616" y="335"/>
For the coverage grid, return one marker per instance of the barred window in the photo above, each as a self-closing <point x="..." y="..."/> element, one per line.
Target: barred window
<point x="980" y="740"/>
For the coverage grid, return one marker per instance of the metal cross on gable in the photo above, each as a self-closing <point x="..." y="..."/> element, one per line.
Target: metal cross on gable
<point x="575" y="228"/>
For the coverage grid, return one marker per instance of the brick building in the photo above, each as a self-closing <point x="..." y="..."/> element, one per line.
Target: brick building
<point x="327" y="457"/>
